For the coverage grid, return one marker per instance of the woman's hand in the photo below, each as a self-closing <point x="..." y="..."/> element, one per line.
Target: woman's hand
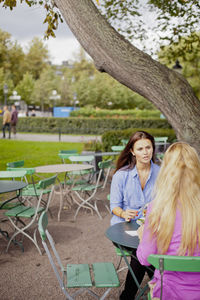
<point x="140" y="231"/>
<point x="129" y="214"/>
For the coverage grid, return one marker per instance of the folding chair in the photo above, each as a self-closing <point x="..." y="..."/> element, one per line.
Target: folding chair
<point x="118" y="148"/>
<point x="173" y="263"/>
<point x="64" y="154"/>
<point x="18" y="214"/>
<point x="86" y="194"/>
<point x="77" y="275"/>
<point x="19" y="166"/>
<point x="83" y="178"/>
<point x="124" y="142"/>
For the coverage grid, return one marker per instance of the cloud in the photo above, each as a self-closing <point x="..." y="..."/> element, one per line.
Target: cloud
<point x="24" y="23"/>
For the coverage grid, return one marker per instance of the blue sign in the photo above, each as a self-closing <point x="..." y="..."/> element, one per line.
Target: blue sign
<point x="62" y="112"/>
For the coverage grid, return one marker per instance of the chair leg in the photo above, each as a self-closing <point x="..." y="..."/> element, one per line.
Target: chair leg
<point x="22" y="231"/>
<point x="86" y="203"/>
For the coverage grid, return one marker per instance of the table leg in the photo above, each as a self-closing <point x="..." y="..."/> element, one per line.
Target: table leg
<point x="141" y="291"/>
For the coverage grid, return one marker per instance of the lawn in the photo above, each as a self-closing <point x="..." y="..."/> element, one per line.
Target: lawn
<point x="33" y="153"/>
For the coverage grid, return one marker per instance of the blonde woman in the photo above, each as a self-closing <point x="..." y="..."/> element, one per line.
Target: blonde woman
<point x="172" y="225"/>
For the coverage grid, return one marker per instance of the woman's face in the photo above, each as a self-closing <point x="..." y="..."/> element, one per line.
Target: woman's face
<point x="143" y="151"/>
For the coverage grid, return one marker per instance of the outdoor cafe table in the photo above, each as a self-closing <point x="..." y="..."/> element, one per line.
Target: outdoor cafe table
<point x="62" y="168"/>
<point x="124" y="235"/>
<point x="7" y="186"/>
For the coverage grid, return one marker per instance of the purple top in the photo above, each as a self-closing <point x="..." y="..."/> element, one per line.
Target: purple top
<point x="176" y="285"/>
<point x="14" y="117"/>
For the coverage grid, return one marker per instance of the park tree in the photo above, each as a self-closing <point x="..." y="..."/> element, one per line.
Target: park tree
<point x="25" y="87"/>
<point x="43" y="88"/>
<point x="189" y="59"/>
<point x="112" y="53"/>
<point x="11" y="57"/>
<point x="36" y="58"/>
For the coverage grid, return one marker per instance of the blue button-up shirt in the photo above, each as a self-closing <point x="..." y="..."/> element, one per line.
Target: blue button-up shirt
<point x="126" y="191"/>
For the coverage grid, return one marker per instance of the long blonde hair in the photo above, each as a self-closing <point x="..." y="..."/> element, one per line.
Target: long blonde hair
<point x="177" y="186"/>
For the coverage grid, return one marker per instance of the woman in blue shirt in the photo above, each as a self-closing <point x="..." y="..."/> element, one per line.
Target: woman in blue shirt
<point x="131" y="189"/>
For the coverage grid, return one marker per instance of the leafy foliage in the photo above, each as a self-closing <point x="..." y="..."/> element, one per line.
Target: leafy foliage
<point x="163" y="22"/>
<point x="114" y="137"/>
<point x="114" y="113"/>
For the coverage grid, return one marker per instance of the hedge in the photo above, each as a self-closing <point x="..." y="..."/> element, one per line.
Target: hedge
<point x="85" y="125"/>
<point x="114" y="137"/>
<point x="86" y="112"/>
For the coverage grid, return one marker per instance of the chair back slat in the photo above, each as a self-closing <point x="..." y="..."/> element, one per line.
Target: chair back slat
<point x="105" y="164"/>
<point x="15" y="164"/>
<point x="162" y="139"/>
<point x="81" y="158"/>
<point x="12" y="174"/>
<point x="43" y="184"/>
<point x="176" y="263"/>
<point x="67" y="151"/>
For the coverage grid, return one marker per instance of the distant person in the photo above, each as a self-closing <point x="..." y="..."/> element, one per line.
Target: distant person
<point x="172" y="225"/>
<point x="33" y="114"/>
<point x="6" y="121"/>
<point x="14" y="119"/>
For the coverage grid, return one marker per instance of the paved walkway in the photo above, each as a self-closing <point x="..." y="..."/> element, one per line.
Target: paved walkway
<point x="55" y="137"/>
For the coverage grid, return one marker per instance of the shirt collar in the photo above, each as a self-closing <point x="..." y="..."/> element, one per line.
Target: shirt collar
<point x="135" y="173"/>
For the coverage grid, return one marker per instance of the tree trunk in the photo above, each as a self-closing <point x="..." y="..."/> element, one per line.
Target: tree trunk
<point x="165" y="88"/>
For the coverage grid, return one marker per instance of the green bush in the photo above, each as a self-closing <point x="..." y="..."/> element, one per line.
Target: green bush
<point x="114" y="137"/>
<point x="87" y="112"/>
<point x="85" y="125"/>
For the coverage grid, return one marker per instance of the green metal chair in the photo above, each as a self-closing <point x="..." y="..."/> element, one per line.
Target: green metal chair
<point x="85" y="196"/>
<point x="65" y="154"/>
<point x="124" y="142"/>
<point x="118" y="148"/>
<point x="19" y="166"/>
<point x="79" y="276"/>
<point x="19" y="215"/>
<point x="173" y="263"/>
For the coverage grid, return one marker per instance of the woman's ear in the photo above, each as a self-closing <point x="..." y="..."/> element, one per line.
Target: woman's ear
<point x="132" y="152"/>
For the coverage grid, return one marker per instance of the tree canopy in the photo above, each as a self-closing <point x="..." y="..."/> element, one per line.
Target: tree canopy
<point x="115" y="55"/>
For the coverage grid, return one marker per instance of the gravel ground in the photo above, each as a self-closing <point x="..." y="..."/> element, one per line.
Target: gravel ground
<point x="28" y="275"/>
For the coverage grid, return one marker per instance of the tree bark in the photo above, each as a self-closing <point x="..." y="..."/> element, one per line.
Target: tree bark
<point x="112" y="53"/>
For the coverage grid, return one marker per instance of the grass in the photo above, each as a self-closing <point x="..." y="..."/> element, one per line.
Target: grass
<point x="33" y="153"/>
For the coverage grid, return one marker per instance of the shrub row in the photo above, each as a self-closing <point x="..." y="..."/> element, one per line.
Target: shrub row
<point x="85" y="125"/>
<point x="87" y="112"/>
<point x="114" y="137"/>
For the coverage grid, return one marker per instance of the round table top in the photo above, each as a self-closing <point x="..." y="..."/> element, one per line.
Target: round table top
<point x="60" y="168"/>
<point x="117" y="234"/>
<point x="7" y="186"/>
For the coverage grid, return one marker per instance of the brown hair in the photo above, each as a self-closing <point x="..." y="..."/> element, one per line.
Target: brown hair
<point x="126" y="158"/>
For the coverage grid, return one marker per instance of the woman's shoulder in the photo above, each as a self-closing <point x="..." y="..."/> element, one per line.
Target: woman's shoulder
<point x="121" y="173"/>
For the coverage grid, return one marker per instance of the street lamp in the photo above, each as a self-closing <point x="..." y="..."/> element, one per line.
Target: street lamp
<point x="5" y="91"/>
<point x="177" y="67"/>
<point x="15" y="97"/>
<point x="54" y="96"/>
<point x="75" y="101"/>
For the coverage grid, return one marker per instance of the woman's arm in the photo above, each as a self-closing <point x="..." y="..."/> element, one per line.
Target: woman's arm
<point x="127" y="214"/>
<point x="117" y="197"/>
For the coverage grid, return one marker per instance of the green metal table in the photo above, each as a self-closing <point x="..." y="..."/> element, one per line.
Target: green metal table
<point x="7" y="186"/>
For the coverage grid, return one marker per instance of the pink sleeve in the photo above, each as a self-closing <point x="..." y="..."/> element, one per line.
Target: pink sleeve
<point x="148" y="244"/>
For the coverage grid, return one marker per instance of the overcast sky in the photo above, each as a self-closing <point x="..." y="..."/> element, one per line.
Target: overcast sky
<point x="24" y="23"/>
